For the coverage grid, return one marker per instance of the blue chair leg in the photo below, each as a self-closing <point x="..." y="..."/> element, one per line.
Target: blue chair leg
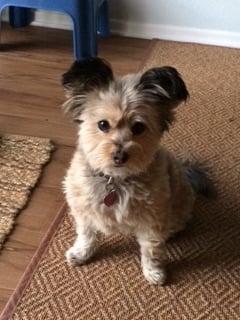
<point x="20" y="17"/>
<point x="85" y="30"/>
<point x="103" y="20"/>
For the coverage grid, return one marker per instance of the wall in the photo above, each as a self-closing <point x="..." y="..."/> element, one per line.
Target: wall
<point x="204" y="21"/>
<point x="207" y="14"/>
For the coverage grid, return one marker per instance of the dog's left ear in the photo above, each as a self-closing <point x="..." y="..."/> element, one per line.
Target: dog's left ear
<point x="164" y="88"/>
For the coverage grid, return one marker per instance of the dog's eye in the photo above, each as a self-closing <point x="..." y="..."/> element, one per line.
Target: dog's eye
<point x="104" y="125"/>
<point x="138" y="128"/>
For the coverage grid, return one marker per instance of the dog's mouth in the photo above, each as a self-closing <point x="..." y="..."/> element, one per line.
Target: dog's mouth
<point x="119" y="165"/>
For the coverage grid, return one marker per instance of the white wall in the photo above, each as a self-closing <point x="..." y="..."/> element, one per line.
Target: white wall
<point x="205" y="14"/>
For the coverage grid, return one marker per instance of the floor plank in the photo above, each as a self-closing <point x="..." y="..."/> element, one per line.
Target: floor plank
<point x="32" y="61"/>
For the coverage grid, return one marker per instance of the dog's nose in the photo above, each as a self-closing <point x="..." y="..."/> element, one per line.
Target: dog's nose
<point x="120" y="157"/>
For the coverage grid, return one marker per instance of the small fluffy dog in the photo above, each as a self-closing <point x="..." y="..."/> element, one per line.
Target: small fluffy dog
<point x="121" y="179"/>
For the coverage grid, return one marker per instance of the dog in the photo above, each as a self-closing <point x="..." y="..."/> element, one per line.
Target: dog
<point x="120" y="178"/>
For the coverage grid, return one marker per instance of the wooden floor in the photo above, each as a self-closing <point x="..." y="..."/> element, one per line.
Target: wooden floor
<point x="32" y="61"/>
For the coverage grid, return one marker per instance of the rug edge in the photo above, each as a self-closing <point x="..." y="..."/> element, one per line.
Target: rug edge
<point x="148" y="54"/>
<point x="12" y="303"/>
<point x="51" y="148"/>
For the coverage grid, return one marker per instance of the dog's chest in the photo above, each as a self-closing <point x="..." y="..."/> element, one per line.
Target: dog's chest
<point x="117" y="200"/>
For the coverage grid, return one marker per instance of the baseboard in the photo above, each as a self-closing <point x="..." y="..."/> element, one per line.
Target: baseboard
<point x="47" y="19"/>
<point x="52" y="20"/>
<point x="176" y="33"/>
<point x="147" y="31"/>
<point x="4" y="16"/>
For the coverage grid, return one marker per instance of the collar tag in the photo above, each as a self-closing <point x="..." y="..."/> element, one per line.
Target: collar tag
<point x="110" y="198"/>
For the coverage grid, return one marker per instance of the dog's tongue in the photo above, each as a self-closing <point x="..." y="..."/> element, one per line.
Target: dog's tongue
<point x="110" y="198"/>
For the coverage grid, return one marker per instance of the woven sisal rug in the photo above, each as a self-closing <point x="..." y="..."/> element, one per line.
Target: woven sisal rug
<point x="21" y="162"/>
<point x="204" y="260"/>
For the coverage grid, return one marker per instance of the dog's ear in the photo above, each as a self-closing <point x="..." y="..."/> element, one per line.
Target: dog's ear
<point x="86" y="75"/>
<point x="83" y="77"/>
<point x="164" y="88"/>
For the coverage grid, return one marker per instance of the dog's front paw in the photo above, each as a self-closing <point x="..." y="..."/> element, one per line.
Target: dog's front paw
<point x="77" y="257"/>
<point x="155" y="275"/>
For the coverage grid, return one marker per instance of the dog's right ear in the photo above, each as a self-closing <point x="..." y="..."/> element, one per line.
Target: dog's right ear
<point x="83" y="77"/>
<point x="86" y="75"/>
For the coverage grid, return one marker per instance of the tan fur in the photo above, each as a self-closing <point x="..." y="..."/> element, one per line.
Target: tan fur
<point x="155" y="197"/>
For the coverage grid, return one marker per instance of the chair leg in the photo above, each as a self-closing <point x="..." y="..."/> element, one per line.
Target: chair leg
<point x="20" y="17"/>
<point x="103" y="20"/>
<point x="85" y="30"/>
